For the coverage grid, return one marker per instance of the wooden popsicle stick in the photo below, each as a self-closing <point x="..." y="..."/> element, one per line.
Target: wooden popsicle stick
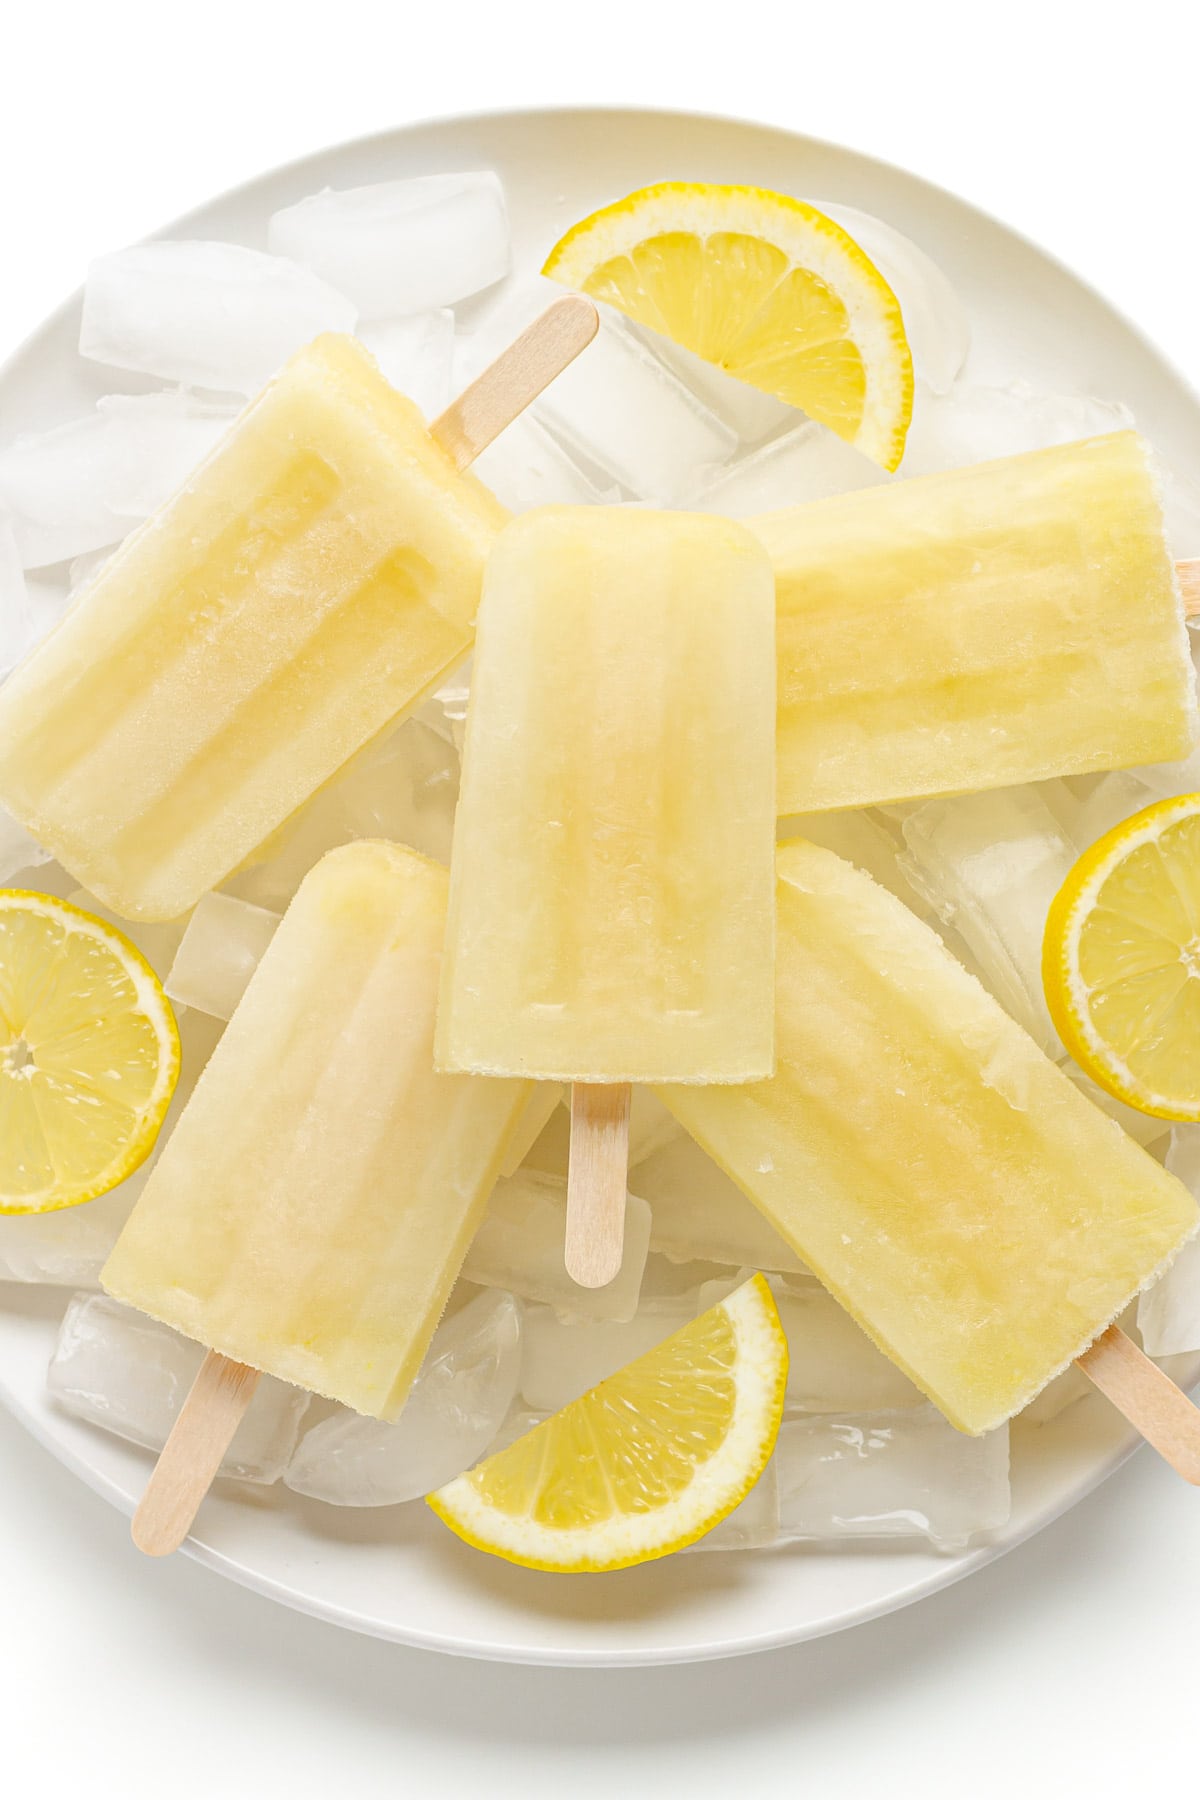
<point x="193" y="1453"/>
<point x="1150" y="1400"/>
<point x="223" y="1389"/>
<point x="1189" y="585"/>
<point x="596" y="1181"/>
<point x="516" y="378"/>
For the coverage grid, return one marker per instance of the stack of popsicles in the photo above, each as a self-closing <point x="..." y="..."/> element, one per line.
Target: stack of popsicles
<point x="610" y="913"/>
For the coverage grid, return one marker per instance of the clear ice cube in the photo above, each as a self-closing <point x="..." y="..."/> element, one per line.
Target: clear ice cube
<point x="118" y="1369"/>
<point x="889" y="1475"/>
<point x="748" y="411"/>
<point x="698" y="1214"/>
<point x="935" y="319"/>
<point x="206" y="315"/>
<point x="80" y="486"/>
<point x="651" y="1126"/>
<point x="1089" y="806"/>
<point x="1072" y="1385"/>
<point x="18" y="850"/>
<point x="863" y="841"/>
<point x="550" y="1152"/>
<point x="753" y="1524"/>
<point x="542" y="1102"/>
<point x="401" y="247"/>
<point x="990" y="864"/>
<point x="1142" y="1127"/>
<point x="618" y="407"/>
<point x="1169" y="1312"/>
<point x="224" y="943"/>
<point x="519" y="1247"/>
<point x="1163" y="781"/>
<point x="833" y="1367"/>
<point x="416" y="355"/>
<point x="807" y="463"/>
<point x="404" y="787"/>
<point x="526" y="466"/>
<point x="457" y="1404"/>
<point x="560" y="1362"/>
<point x="973" y="424"/>
<point x="17" y="635"/>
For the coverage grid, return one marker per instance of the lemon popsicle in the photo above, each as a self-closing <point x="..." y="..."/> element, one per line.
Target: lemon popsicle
<point x="997" y="624"/>
<point x="312" y="1208"/>
<point x="981" y="1220"/>
<point x="317" y="575"/>
<point x="611" y="898"/>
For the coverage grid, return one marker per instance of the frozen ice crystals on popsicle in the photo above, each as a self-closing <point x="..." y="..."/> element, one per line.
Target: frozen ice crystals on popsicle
<point x="82" y="485"/>
<point x="990" y="864"/>
<point x="889" y="1475"/>
<point x="416" y="355"/>
<point x="455" y="1408"/>
<point x="130" y="1375"/>
<point x="206" y="315"/>
<point x="1169" y="1312"/>
<point x="224" y="943"/>
<point x="399" y="247"/>
<point x="519" y="1247"/>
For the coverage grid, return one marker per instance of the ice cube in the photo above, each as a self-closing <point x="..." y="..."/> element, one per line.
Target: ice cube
<point x="416" y="355"/>
<point x="78" y="487"/>
<point x="404" y="787"/>
<point x="888" y="1475"/>
<point x="67" y="1248"/>
<point x="206" y="315"/>
<point x="401" y="247"/>
<point x="747" y="410"/>
<point x="1169" y="1312"/>
<point x="975" y="424"/>
<point x="550" y="1153"/>
<point x="807" y="463"/>
<point x="18" y="850"/>
<point x="130" y="1375"/>
<point x="1163" y="781"/>
<point x="560" y="1362"/>
<point x="1181" y="512"/>
<point x="445" y="711"/>
<point x="1089" y="806"/>
<point x="618" y="406"/>
<point x="1071" y="1386"/>
<point x="224" y="943"/>
<point x="990" y="864"/>
<point x="833" y="1367"/>
<point x="663" y="1279"/>
<point x="935" y="320"/>
<point x="457" y="1404"/>
<point x="752" y="1525"/>
<point x="698" y="1214"/>
<point x="158" y="943"/>
<point x="542" y="1102"/>
<point x="651" y="1126"/>
<point x="1142" y="1127"/>
<point x="527" y="466"/>
<point x="17" y="636"/>
<point x="519" y="1247"/>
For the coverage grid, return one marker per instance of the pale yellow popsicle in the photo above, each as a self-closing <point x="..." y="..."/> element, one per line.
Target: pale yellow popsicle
<point x="315" y="578"/>
<point x="980" y="1219"/>
<point x="312" y="1208"/>
<point x="997" y="624"/>
<point x="611" y="899"/>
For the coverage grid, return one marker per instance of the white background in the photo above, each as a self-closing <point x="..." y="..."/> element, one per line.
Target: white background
<point x="1070" y="1667"/>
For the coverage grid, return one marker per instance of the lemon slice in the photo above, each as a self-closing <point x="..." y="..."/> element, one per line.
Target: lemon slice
<point x="1121" y="960"/>
<point x="763" y="286"/>
<point x="89" y="1055"/>
<point x="643" y="1464"/>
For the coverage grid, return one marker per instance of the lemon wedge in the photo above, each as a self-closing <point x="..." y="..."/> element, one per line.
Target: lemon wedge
<point x="763" y="286"/>
<point x="1121" y="960"/>
<point x="89" y="1055"/>
<point x="643" y="1464"/>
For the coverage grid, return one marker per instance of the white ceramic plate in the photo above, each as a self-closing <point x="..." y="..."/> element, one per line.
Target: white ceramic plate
<point x="399" y="1574"/>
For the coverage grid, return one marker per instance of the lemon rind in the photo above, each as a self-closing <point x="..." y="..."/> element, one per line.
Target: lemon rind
<point x="876" y="329"/>
<point x="153" y="1002"/>
<point x="719" y="1485"/>
<point x="1067" y="992"/>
